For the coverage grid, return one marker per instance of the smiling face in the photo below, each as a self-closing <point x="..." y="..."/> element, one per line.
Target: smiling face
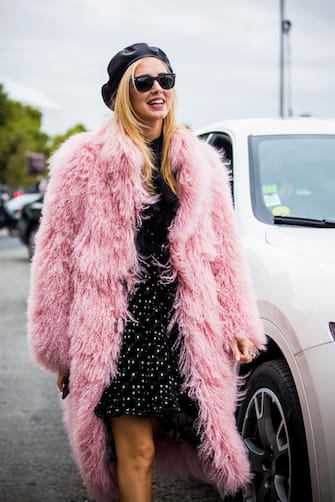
<point x="152" y="106"/>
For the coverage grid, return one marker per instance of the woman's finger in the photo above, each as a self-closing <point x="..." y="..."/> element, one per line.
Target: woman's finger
<point x="235" y="350"/>
<point x="60" y="381"/>
<point x="243" y="350"/>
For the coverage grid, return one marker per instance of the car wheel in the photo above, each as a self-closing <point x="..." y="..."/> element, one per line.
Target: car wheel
<point x="31" y="242"/>
<point x="271" y="425"/>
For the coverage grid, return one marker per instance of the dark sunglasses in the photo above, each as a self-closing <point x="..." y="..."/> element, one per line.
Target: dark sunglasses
<point x="145" y="82"/>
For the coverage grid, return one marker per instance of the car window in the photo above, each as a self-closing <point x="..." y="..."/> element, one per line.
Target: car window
<point x="293" y="175"/>
<point x="204" y="137"/>
<point x="223" y="143"/>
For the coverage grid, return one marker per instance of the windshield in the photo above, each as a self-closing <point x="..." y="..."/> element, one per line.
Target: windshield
<point x="293" y="176"/>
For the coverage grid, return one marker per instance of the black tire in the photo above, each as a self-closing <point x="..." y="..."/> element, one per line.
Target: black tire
<point x="31" y="242"/>
<point x="271" y="424"/>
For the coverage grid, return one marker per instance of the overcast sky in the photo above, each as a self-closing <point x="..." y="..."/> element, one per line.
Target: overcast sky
<point x="54" y="55"/>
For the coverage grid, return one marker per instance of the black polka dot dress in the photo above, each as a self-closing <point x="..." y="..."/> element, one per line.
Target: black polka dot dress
<point x="148" y="382"/>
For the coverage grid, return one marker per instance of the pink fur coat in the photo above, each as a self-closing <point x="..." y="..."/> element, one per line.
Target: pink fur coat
<point x="86" y="262"/>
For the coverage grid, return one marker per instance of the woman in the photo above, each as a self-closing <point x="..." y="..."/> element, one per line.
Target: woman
<point x="140" y="293"/>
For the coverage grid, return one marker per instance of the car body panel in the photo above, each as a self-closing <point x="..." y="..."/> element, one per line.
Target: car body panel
<point x="320" y="411"/>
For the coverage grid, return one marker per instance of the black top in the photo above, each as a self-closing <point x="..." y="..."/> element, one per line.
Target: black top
<point x="157" y="218"/>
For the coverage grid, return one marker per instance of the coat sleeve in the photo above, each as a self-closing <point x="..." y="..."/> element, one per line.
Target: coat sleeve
<point x="235" y="291"/>
<point x="51" y="288"/>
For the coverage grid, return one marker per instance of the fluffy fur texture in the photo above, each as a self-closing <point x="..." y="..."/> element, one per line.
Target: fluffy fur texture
<point x="84" y="268"/>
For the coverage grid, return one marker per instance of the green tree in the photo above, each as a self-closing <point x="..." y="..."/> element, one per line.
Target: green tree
<point x="20" y="133"/>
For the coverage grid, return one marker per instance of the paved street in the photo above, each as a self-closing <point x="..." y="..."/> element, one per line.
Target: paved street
<point x="35" y="460"/>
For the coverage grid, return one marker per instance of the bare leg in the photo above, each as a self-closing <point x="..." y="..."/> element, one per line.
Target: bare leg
<point x="134" y="445"/>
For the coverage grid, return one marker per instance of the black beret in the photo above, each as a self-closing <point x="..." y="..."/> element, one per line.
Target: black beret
<point x="122" y="60"/>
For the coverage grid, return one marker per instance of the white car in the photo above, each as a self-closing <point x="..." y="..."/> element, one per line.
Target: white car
<point x="11" y="210"/>
<point x="14" y="206"/>
<point x="283" y="185"/>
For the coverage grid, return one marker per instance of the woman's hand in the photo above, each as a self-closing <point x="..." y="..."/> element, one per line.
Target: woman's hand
<point x="61" y="380"/>
<point x="243" y="350"/>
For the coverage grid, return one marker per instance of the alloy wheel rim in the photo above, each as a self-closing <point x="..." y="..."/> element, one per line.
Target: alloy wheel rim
<point x="266" y="438"/>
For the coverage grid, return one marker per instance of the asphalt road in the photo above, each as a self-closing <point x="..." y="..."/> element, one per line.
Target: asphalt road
<point x="35" y="460"/>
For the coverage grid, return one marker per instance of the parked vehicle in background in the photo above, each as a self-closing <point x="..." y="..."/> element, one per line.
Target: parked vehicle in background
<point x="28" y="224"/>
<point x="11" y="210"/>
<point x="3" y="213"/>
<point x="283" y="186"/>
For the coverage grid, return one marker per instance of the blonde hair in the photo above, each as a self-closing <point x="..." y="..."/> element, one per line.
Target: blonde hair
<point x="133" y="126"/>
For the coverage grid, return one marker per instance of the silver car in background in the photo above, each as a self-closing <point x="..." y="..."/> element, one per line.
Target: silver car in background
<point x="283" y="186"/>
